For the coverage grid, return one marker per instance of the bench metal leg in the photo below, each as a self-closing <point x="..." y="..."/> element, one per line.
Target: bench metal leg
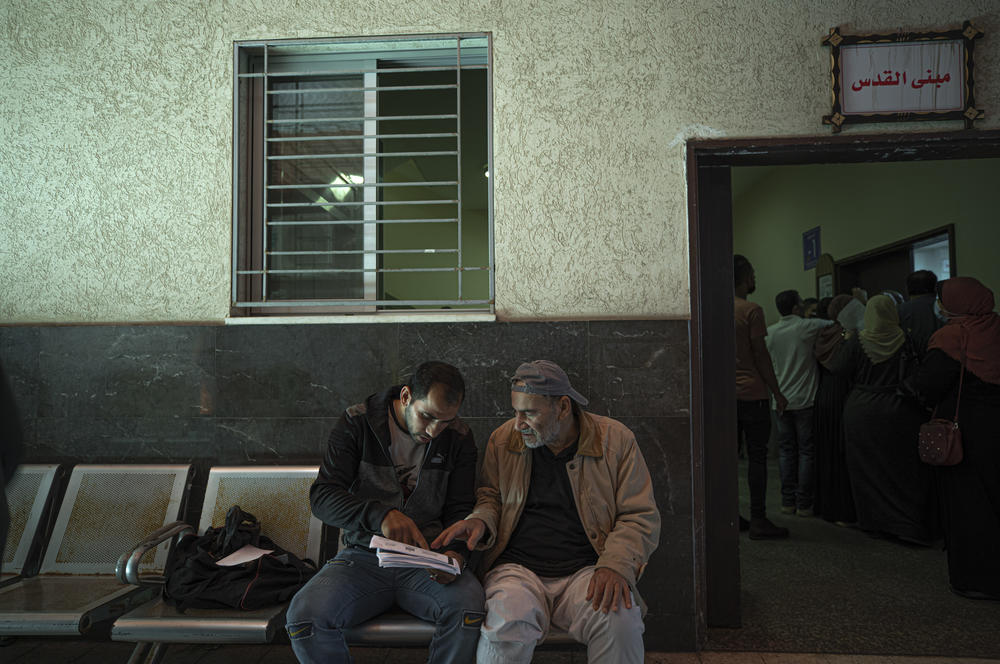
<point x="148" y="653"/>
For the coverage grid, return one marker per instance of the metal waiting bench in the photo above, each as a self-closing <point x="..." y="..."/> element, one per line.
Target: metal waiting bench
<point x="31" y="496"/>
<point x="105" y="509"/>
<point x="279" y="497"/>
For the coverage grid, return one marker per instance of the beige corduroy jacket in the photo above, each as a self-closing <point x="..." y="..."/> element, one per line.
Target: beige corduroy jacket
<point x="612" y="486"/>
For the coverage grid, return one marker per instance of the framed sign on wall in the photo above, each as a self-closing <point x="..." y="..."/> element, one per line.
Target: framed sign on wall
<point x="903" y="76"/>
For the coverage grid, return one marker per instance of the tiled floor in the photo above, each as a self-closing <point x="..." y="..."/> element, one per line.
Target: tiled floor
<point x="68" y="651"/>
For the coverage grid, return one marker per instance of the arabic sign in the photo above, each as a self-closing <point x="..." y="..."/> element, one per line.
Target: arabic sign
<point x="901" y="77"/>
<point x="810" y="248"/>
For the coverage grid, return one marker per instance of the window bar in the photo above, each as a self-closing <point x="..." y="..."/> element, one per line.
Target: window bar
<point x="366" y="88"/>
<point x="355" y="252"/>
<point x="378" y="70"/>
<point x="333" y="204"/>
<point x="237" y="153"/>
<point x="355" y="222"/>
<point x="440" y="116"/>
<point x="365" y="154"/>
<point x="263" y="189"/>
<point x="326" y="185"/>
<point x="345" y="270"/>
<point x="489" y="166"/>
<point x="458" y="155"/>
<point x="354" y="303"/>
<point x="310" y="139"/>
<point x="370" y="167"/>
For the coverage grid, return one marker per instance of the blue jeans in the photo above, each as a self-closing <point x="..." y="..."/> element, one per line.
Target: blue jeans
<point x="797" y="458"/>
<point x="352" y="588"/>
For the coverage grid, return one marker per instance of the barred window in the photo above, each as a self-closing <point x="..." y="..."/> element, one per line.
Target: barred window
<point x="361" y="175"/>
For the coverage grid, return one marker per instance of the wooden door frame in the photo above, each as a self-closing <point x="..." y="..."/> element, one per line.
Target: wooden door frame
<point x="947" y="229"/>
<point x="713" y="414"/>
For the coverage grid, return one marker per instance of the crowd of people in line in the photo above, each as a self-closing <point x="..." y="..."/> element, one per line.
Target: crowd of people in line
<point x="850" y="381"/>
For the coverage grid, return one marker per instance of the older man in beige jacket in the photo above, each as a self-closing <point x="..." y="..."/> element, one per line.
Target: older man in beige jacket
<point x="566" y="514"/>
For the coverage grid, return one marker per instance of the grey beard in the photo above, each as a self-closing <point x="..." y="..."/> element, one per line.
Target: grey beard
<point x="538" y="441"/>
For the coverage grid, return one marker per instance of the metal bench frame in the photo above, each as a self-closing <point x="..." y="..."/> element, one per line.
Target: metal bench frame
<point x="156" y="624"/>
<point x="27" y="546"/>
<point x="75" y="589"/>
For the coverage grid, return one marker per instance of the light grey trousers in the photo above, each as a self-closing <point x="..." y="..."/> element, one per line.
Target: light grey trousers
<point x="520" y="607"/>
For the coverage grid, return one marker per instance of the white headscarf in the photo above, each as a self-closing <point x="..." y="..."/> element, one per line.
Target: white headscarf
<point x="882" y="337"/>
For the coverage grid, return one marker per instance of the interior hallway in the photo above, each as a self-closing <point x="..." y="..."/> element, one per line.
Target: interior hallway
<point x="835" y="590"/>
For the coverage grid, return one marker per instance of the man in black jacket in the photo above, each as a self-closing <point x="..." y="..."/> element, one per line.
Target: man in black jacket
<point x="401" y="465"/>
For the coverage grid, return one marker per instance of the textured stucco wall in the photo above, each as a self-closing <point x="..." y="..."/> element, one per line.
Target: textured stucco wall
<point x="115" y="121"/>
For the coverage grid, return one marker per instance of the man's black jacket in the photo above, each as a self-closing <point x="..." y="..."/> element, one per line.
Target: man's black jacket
<point x="357" y="483"/>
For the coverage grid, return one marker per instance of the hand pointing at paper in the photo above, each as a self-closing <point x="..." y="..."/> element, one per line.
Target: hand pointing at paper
<point x="471" y="530"/>
<point x="397" y="526"/>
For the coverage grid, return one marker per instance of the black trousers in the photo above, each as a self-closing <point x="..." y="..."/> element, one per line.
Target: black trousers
<point x="753" y="423"/>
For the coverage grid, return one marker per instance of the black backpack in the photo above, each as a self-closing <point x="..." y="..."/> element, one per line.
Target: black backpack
<point x="194" y="580"/>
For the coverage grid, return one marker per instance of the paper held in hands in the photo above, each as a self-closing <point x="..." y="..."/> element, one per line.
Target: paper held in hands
<point x="396" y="554"/>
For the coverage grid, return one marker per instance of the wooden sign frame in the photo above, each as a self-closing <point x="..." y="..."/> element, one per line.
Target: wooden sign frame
<point x="966" y="111"/>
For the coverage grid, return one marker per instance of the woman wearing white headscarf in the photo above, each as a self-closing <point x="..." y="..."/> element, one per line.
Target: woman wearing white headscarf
<point x="893" y="490"/>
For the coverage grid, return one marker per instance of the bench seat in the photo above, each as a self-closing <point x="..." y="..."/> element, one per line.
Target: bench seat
<point x="159" y="622"/>
<point x="401" y="630"/>
<point x="59" y="606"/>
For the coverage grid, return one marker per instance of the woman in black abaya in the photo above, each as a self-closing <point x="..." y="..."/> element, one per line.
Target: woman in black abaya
<point x="893" y="490"/>
<point x="971" y="489"/>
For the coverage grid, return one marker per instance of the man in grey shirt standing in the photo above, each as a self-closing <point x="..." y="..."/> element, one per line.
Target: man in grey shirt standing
<point x="790" y="342"/>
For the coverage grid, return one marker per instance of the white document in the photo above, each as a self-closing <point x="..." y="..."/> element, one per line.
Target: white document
<point x="396" y="554"/>
<point x="243" y="555"/>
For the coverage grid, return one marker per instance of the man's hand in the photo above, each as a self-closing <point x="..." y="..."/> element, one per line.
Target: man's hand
<point x="780" y="403"/>
<point x="397" y="526"/>
<point x="444" y="578"/>
<point x="470" y="529"/>
<point x="606" y="588"/>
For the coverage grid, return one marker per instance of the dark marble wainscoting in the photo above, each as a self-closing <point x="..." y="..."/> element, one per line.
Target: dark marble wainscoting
<point x="269" y="394"/>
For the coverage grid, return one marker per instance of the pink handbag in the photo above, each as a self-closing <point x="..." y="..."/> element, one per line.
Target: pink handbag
<point x="940" y="440"/>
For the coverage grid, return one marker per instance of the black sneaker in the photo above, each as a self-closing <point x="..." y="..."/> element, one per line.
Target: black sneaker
<point x="744" y="524"/>
<point x="762" y="528"/>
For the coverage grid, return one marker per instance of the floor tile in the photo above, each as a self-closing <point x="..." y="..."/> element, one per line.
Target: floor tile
<point x="731" y="658"/>
<point x="793" y="658"/>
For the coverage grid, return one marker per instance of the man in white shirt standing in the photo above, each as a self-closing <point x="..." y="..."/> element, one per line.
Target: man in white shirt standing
<point x="790" y="342"/>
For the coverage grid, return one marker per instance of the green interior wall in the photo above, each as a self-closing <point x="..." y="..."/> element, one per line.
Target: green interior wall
<point x="860" y="207"/>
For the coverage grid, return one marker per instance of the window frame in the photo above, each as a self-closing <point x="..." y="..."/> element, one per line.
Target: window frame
<point x="249" y="216"/>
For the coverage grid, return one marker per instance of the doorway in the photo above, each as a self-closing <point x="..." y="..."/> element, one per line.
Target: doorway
<point x="887" y="267"/>
<point x="713" y="420"/>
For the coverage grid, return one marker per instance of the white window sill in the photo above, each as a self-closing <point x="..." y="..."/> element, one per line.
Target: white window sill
<point x="435" y="317"/>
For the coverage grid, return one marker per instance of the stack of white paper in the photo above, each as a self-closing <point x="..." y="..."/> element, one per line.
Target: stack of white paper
<point x="396" y="554"/>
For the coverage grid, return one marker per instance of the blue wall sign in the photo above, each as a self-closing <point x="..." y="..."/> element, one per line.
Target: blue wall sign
<point x="810" y="248"/>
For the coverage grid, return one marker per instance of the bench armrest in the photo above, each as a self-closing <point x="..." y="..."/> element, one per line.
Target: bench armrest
<point x="127" y="567"/>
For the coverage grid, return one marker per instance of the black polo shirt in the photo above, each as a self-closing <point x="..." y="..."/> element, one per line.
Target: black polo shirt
<point x="549" y="538"/>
